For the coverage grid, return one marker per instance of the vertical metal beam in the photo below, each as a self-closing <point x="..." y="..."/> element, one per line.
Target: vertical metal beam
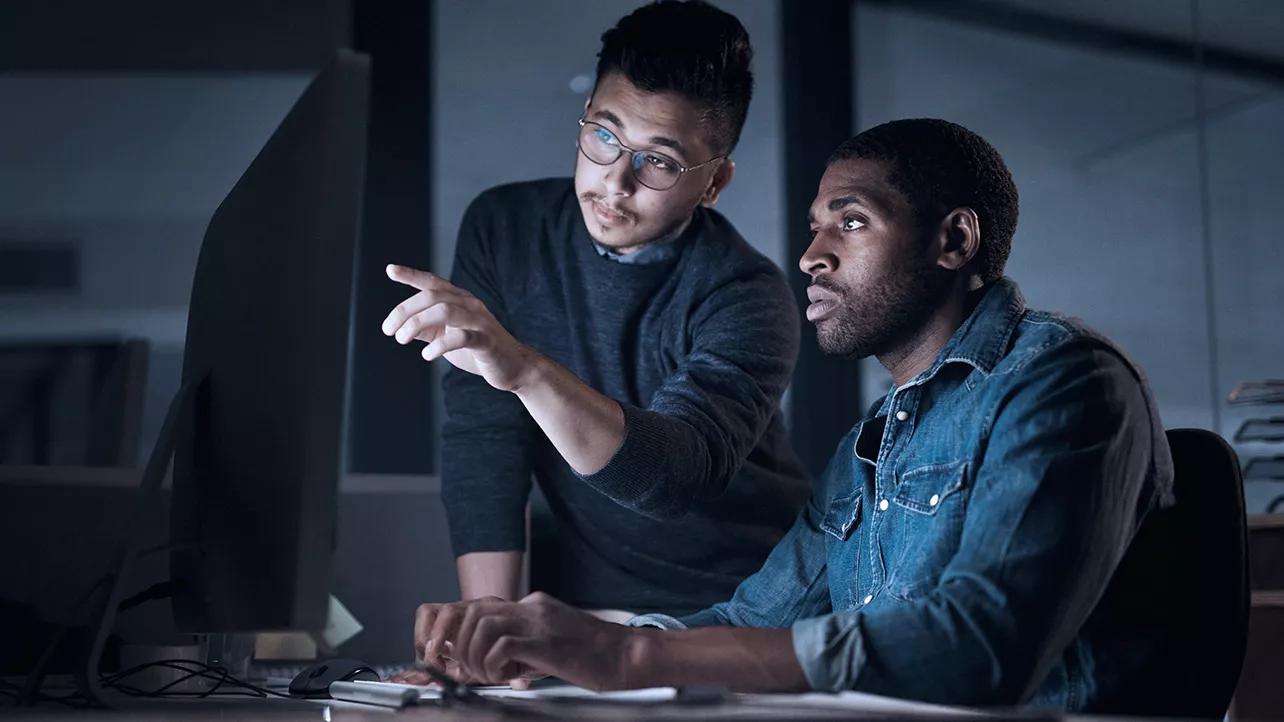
<point x="390" y="425"/>
<point x="819" y="110"/>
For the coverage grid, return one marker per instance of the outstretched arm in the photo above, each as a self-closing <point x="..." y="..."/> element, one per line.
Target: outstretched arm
<point x="584" y="426"/>
<point x="700" y="424"/>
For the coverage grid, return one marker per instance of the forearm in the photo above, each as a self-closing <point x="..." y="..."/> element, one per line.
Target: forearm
<point x="744" y="660"/>
<point x="585" y="427"/>
<point x="490" y="574"/>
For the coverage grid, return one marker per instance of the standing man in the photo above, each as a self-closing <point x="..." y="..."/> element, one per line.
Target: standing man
<point x="964" y="544"/>
<point x="615" y="337"/>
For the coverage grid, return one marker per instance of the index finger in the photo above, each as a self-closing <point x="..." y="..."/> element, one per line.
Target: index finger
<point x="425" y="616"/>
<point x="415" y="278"/>
<point x="412" y="676"/>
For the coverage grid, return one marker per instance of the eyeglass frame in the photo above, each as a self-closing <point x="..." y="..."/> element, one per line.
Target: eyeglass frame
<point x="682" y="170"/>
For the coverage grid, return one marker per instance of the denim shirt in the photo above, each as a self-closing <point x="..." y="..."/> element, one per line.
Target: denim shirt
<point x="958" y="542"/>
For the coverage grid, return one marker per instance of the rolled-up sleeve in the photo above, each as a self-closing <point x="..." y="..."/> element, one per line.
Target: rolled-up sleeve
<point x="1058" y="494"/>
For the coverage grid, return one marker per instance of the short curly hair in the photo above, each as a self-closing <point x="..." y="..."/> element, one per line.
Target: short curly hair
<point x="691" y="48"/>
<point x="940" y="166"/>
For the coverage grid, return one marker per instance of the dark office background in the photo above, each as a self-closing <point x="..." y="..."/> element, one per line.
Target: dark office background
<point x="1145" y="136"/>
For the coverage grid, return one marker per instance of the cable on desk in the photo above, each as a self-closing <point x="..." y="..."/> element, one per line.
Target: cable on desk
<point x="192" y="669"/>
<point x="160" y="590"/>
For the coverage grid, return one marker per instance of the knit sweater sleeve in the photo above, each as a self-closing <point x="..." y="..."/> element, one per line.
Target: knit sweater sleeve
<point x="692" y="438"/>
<point x="487" y="437"/>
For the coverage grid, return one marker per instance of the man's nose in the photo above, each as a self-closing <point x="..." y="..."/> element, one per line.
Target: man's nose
<point x="619" y="176"/>
<point x="815" y="260"/>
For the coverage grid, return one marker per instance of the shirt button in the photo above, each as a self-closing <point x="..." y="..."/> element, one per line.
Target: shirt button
<point x="882" y="505"/>
<point x="868" y="598"/>
<point x="902" y="415"/>
<point x="936" y="499"/>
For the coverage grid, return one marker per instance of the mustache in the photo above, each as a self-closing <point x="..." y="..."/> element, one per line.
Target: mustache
<point x="589" y="197"/>
<point x="829" y="285"/>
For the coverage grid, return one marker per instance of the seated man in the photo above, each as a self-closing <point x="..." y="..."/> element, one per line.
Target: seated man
<point x="958" y="545"/>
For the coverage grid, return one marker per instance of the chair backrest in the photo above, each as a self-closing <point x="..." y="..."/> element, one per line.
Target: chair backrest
<point x="1187" y="572"/>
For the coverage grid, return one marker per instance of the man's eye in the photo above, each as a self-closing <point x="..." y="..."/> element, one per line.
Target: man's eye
<point x="853" y="224"/>
<point x="658" y="162"/>
<point x="605" y="137"/>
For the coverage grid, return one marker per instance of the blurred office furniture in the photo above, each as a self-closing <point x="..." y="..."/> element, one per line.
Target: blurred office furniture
<point x="1267" y="391"/>
<point x="72" y="403"/>
<point x="1269" y="429"/>
<point x="1260" y="695"/>
<point x="70" y="413"/>
<point x="1266" y="467"/>
<point x="1269" y="467"/>
<point x="1266" y="428"/>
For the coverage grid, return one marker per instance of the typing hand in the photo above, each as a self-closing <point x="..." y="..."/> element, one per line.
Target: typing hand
<point x="456" y="325"/>
<point x="435" y="628"/>
<point x="497" y="641"/>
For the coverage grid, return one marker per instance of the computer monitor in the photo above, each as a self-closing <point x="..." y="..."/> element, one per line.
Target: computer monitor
<point x="260" y="446"/>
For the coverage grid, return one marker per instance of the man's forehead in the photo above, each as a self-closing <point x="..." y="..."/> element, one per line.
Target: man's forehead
<point x="855" y="181"/>
<point x="663" y="118"/>
<point x="855" y="173"/>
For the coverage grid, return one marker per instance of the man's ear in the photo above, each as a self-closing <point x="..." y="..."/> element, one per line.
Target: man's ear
<point x="958" y="239"/>
<point x="721" y="179"/>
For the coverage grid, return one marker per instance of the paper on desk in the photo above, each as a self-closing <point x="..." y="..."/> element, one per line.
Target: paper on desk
<point x="570" y="691"/>
<point x="555" y="691"/>
<point x="853" y="701"/>
<point x="859" y="701"/>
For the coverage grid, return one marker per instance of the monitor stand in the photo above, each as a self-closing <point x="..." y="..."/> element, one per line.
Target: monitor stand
<point x="147" y="507"/>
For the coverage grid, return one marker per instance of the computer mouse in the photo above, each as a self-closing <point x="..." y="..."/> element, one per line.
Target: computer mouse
<point x="315" y="680"/>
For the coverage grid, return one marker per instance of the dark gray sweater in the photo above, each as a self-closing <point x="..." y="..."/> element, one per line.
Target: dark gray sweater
<point x="696" y="348"/>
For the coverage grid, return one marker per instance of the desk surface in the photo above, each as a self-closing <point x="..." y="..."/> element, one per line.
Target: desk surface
<point x="742" y="707"/>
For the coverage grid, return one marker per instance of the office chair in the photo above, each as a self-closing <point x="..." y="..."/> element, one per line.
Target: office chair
<point x="1188" y="587"/>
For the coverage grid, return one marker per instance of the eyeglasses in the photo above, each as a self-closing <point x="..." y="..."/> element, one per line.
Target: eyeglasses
<point x="656" y="171"/>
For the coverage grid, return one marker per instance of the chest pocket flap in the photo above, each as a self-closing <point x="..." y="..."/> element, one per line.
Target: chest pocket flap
<point x="925" y="489"/>
<point x="842" y="516"/>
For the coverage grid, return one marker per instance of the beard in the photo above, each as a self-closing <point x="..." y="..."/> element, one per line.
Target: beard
<point x="669" y="229"/>
<point x="880" y="316"/>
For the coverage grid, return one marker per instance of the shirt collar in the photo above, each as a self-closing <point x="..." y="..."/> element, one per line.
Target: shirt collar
<point x="654" y="253"/>
<point x="983" y="338"/>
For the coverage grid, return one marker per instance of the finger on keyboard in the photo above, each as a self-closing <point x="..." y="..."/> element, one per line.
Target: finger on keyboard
<point x="412" y="676"/>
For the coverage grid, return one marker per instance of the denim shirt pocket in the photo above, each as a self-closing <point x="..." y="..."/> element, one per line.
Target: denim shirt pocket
<point x="930" y="504"/>
<point x="842" y="516"/>
<point x="924" y="489"/>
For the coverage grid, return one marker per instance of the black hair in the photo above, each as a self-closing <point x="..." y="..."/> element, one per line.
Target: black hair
<point x="691" y="48"/>
<point x="940" y="166"/>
